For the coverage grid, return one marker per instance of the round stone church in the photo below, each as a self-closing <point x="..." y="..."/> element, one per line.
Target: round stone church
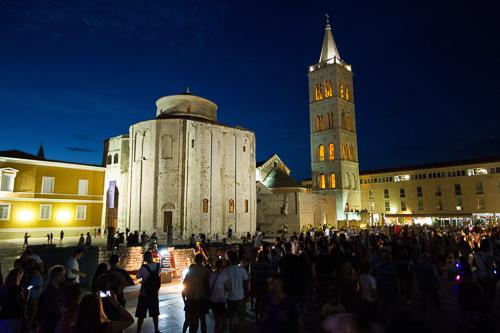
<point x="181" y="173"/>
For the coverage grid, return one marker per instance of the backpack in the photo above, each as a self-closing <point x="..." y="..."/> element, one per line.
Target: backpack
<point x="153" y="282"/>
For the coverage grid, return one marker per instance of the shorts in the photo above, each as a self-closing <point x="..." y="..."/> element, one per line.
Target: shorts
<point x="237" y="307"/>
<point x="147" y="304"/>
<point x="218" y="307"/>
<point x="197" y="306"/>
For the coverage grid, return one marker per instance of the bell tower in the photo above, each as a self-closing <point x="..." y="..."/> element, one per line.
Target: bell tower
<point x="334" y="149"/>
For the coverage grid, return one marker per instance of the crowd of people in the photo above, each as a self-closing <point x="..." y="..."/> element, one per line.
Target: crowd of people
<point x="341" y="281"/>
<point x="357" y="279"/>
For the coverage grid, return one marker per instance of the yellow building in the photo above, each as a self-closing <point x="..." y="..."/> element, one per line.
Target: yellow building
<point x="455" y="192"/>
<point x="40" y="196"/>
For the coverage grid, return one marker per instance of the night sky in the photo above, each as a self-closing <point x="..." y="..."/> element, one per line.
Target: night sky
<point x="73" y="73"/>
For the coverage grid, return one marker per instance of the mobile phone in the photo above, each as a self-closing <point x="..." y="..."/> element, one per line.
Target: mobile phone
<point x="29" y="287"/>
<point x="105" y="293"/>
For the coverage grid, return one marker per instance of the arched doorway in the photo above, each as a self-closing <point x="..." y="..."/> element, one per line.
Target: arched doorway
<point x="168" y="227"/>
<point x="112" y="206"/>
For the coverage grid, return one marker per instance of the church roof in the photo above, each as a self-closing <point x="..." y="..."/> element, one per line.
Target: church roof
<point x="278" y="178"/>
<point x="329" y="49"/>
<point x="14" y="153"/>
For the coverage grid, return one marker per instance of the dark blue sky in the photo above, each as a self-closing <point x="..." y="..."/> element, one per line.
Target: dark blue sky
<point x="73" y="73"/>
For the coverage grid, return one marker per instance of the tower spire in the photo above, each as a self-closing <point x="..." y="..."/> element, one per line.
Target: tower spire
<point x="329" y="49"/>
<point x="41" y="152"/>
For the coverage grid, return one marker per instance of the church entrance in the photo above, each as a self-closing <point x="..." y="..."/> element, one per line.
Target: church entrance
<point x="112" y="207"/>
<point x="168" y="227"/>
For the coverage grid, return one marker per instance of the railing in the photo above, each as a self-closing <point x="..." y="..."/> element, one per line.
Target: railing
<point x="330" y="61"/>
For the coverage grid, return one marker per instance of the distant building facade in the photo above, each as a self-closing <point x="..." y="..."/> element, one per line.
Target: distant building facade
<point x="41" y="196"/>
<point x="182" y="173"/>
<point x="283" y="202"/>
<point x="454" y="192"/>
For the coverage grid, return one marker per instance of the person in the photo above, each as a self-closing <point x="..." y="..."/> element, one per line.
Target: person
<point x="144" y="238"/>
<point x="95" y="232"/>
<point x="154" y="238"/>
<point x="91" y="317"/>
<point x="427" y="281"/>
<point x="88" y="240"/>
<point x="101" y="269"/>
<point x="260" y="272"/>
<point x="26" y="237"/>
<point x="282" y="314"/>
<point x="30" y="255"/>
<point x="35" y="284"/>
<point x="48" y="311"/>
<point x="12" y="303"/>
<point x="48" y="239"/>
<point x="287" y="269"/>
<point x="238" y="288"/>
<point x="218" y="286"/>
<point x="485" y="263"/>
<point x="61" y="236"/>
<point x="51" y="237"/>
<point x="229" y="233"/>
<point x="70" y="299"/>
<point x="73" y="269"/>
<point x="367" y="293"/>
<point x="195" y="295"/>
<point x="148" y="294"/>
<point x="81" y="241"/>
<point x="121" y="276"/>
<point x="99" y="233"/>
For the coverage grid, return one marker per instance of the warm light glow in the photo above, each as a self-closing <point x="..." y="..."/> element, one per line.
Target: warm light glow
<point x="63" y="215"/>
<point x="322" y="182"/>
<point x="321" y="152"/>
<point x="331" y="151"/>
<point x="333" y="182"/>
<point x="25" y="215"/>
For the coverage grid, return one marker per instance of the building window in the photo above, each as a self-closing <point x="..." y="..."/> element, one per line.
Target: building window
<point x="371" y="205"/>
<point x="402" y="193"/>
<point x="479" y="188"/>
<point x="419" y="192"/>
<point x="322" y="182"/>
<point x="328" y="89"/>
<point x="47" y="185"/>
<point x="83" y="187"/>
<point x="341" y="89"/>
<point x="321" y="152"/>
<point x="459" y="204"/>
<point x="45" y="212"/>
<point x="115" y="159"/>
<point x="458" y="189"/>
<point x="387" y="206"/>
<point x="205" y="205"/>
<point x="245" y="205"/>
<point x="420" y="204"/>
<point x="344" y="151"/>
<point x="4" y="211"/>
<point x="351" y="153"/>
<point x="244" y="148"/>
<point x="386" y="193"/>
<point x="192" y="143"/>
<point x="403" y="206"/>
<point x="480" y="203"/>
<point x="109" y="160"/>
<point x="319" y="122"/>
<point x="438" y="191"/>
<point x="439" y="205"/>
<point x="347" y="96"/>
<point x="332" y="181"/>
<point x="331" y="151"/>
<point x="231" y="206"/>
<point x="330" y="119"/>
<point x="7" y="183"/>
<point x="81" y="213"/>
<point x="371" y="194"/>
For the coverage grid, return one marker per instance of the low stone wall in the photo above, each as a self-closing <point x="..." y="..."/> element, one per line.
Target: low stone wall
<point x="131" y="257"/>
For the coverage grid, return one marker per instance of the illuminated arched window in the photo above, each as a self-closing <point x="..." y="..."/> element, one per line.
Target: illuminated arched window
<point x="328" y="89"/>
<point x="231" y="206"/>
<point x="321" y="152"/>
<point x="331" y="151"/>
<point x="344" y="151"/>
<point x="205" y="205"/>
<point x="350" y="153"/>
<point x="333" y="182"/>
<point x="322" y="182"/>
<point x="341" y="89"/>
<point x="346" y="92"/>
<point x="318" y="93"/>
<point x="245" y="205"/>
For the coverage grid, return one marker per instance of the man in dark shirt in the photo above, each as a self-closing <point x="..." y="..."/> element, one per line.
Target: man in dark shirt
<point x="121" y="278"/>
<point x="48" y="312"/>
<point x="287" y="270"/>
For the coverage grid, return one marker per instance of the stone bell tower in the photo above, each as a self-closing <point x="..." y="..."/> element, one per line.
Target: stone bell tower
<point x="334" y="150"/>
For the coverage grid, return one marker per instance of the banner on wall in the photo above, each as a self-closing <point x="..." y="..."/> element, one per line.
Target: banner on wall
<point x="111" y="194"/>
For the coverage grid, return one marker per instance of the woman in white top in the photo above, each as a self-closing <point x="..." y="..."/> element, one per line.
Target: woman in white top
<point x="218" y="286"/>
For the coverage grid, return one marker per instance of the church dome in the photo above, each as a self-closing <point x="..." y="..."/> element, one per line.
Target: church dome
<point x="186" y="105"/>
